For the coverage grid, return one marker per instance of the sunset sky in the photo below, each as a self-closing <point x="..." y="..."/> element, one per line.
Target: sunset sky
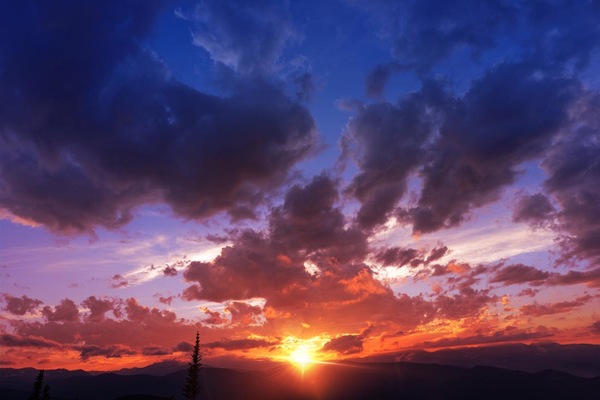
<point x="342" y="178"/>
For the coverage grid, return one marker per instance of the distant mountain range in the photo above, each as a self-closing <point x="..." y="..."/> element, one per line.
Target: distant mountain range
<point x="343" y="381"/>
<point x="577" y="359"/>
<point x="542" y="370"/>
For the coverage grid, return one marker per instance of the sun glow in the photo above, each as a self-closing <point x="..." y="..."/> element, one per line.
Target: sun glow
<point x="302" y="353"/>
<point x="302" y="357"/>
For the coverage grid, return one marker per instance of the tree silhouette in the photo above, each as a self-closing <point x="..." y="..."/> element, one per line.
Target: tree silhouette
<point x="36" y="392"/>
<point x="46" y="394"/>
<point x="192" y="387"/>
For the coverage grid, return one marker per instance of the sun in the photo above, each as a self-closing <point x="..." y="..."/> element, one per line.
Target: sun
<point x="302" y="357"/>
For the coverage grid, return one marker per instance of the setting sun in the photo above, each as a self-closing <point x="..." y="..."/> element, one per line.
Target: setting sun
<point x="302" y="357"/>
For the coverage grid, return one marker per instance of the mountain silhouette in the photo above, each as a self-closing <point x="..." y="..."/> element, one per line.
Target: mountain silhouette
<point x="342" y="381"/>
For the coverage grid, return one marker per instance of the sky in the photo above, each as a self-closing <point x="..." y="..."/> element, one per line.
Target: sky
<point x="340" y="178"/>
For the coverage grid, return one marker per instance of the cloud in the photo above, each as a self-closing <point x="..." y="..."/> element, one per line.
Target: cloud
<point x="97" y="307"/>
<point x="123" y="133"/>
<point x="170" y="271"/>
<point x="425" y="34"/>
<point x="248" y="37"/>
<point x="104" y="351"/>
<point x="214" y="318"/>
<point x="399" y="256"/>
<point x="430" y="32"/>
<point x="534" y="209"/>
<point x="485" y="136"/>
<point x="156" y="351"/>
<point x="241" y="344"/>
<point x="309" y="220"/>
<point x="348" y="344"/>
<point x="246" y="270"/>
<point x="387" y="142"/>
<point x="244" y="314"/>
<point x="184" y="346"/>
<point x="20" y="305"/>
<point x="166" y="299"/>
<point x="590" y="278"/>
<point x="117" y="281"/>
<point x="528" y="292"/>
<point x="519" y="273"/>
<point x="436" y="254"/>
<point x="379" y="76"/>
<point x="135" y="328"/>
<point x="573" y="168"/>
<point x="468" y="302"/>
<point x="9" y="340"/>
<point x="537" y="310"/>
<point x="595" y="328"/>
<point x="271" y="266"/>
<point x="66" y="311"/>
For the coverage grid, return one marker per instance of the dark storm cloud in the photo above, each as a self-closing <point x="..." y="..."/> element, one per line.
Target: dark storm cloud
<point x="379" y="77"/>
<point x="310" y="221"/>
<point x="510" y="115"/>
<point x="425" y="33"/>
<point x="573" y="166"/>
<point x="387" y="141"/>
<point x="534" y="209"/>
<point x="306" y="86"/>
<point x="246" y="36"/>
<point x="563" y="32"/>
<point x="519" y="273"/>
<point x="92" y="126"/>
<point x="485" y="137"/>
<point x="20" y="305"/>
<point x="170" y="271"/>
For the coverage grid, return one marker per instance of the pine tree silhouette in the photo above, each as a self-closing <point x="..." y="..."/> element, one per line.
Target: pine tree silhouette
<point x="46" y="394"/>
<point x="192" y="387"/>
<point x="36" y="392"/>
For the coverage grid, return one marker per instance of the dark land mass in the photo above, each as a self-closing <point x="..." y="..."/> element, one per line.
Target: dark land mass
<point x="577" y="359"/>
<point x="343" y="381"/>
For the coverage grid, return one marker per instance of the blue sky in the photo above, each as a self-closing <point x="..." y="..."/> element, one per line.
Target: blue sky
<point x="306" y="170"/>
